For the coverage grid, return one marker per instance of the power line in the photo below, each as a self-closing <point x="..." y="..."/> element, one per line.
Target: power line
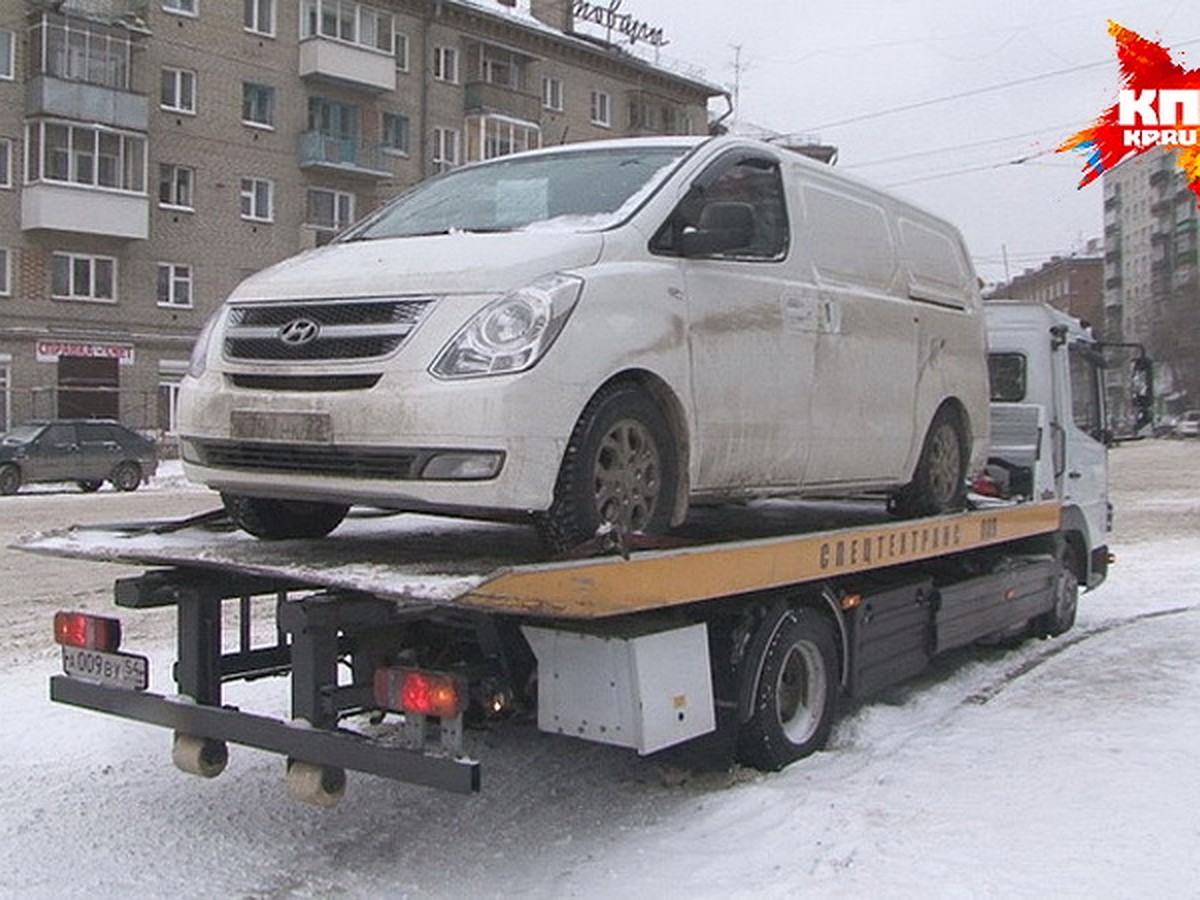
<point x="938" y="150"/>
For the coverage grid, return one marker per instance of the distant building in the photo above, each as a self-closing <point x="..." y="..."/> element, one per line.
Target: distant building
<point x="153" y="153"/>
<point x="1073" y="284"/>
<point x="1152" y="280"/>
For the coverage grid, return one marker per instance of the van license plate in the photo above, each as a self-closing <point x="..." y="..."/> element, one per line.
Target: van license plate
<point x="292" y="428"/>
<point x="123" y="670"/>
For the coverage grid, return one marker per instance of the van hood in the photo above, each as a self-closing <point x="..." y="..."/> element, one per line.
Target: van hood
<point x="436" y="264"/>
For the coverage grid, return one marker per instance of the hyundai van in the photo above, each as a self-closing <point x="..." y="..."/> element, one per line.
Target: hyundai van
<point x="592" y="337"/>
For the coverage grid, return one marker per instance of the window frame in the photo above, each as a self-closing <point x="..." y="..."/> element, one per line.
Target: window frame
<point x="175" y="169"/>
<point x="552" y="93"/>
<point x="6" y="163"/>
<point x="252" y="16"/>
<point x="601" y="109"/>
<point x="6" y="288"/>
<point x="442" y="53"/>
<point x="174" y="279"/>
<point x="73" y="260"/>
<point x="338" y="198"/>
<point x="266" y="91"/>
<point x="9" y="73"/>
<point x="178" y="77"/>
<point x="189" y="8"/>
<point x="132" y="168"/>
<point x="400" y="38"/>
<point x="439" y="146"/>
<point x="251" y="194"/>
<point x="398" y="150"/>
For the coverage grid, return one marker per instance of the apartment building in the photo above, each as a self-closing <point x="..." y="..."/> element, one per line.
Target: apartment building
<point x="1073" y="284"/>
<point x="155" y="152"/>
<point x="1151" y="271"/>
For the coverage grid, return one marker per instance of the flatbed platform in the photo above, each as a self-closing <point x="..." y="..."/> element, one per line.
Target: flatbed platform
<point x="496" y="568"/>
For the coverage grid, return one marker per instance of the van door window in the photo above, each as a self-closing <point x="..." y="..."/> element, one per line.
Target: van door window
<point x="1086" y="409"/>
<point x="734" y="210"/>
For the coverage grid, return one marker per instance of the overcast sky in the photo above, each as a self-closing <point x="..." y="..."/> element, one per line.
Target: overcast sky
<point x="807" y="67"/>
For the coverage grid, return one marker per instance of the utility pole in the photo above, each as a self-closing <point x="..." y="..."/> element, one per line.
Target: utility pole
<point x="737" y="82"/>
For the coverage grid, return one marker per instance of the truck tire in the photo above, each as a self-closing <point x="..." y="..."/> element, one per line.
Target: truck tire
<point x="10" y="480"/>
<point x="274" y="520"/>
<point x="795" y="700"/>
<point x="619" y="469"/>
<point x="126" y="476"/>
<point x="1060" y="618"/>
<point x="939" y="483"/>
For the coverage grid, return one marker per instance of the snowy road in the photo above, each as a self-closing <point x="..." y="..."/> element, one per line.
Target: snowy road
<point x="1062" y="768"/>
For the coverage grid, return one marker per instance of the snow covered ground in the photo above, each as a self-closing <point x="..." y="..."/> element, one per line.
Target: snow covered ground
<point x="1063" y="768"/>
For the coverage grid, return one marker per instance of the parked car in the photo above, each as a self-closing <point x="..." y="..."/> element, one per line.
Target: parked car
<point x="85" y="451"/>
<point x="1188" y="424"/>
<point x="597" y="335"/>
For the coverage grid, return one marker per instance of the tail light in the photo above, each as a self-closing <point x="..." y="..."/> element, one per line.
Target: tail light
<point x="75" y="629"/>
<point x="417" y="691"/>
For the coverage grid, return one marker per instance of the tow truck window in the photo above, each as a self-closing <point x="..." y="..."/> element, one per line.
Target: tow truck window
<point x="1006" y="375"/>
<point x="1086" y="409"/>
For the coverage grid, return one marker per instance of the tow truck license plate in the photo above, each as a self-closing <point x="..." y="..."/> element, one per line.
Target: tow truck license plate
<point x="123" y="670"/>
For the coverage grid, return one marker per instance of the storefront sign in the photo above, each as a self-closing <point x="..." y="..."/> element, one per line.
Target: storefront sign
<point x="608" y="15"/>
<point x="52" y="350"/>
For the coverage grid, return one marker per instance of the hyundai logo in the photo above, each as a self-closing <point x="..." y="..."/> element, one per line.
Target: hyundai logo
<point x="299" y="332"/>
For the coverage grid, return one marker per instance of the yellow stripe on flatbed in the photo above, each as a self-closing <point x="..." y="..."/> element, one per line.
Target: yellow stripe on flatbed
<point x="614" y="586"/>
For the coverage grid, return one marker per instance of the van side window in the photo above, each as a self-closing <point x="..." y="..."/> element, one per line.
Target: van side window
<point x="1087" y="410"/>
<point x="1006" y="375"/>
<point x="738" y="203"/>
<point x="850" y="240"/>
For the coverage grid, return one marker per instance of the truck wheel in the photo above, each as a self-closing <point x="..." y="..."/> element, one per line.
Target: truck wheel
<point x="939" y="482"/>
<point x="199" y="756"/>
<point x="89" y="486"/>
<point x="1060" y="618"/>
<point x="274" y="520"/>
<point x="10" y="480"/>
<point x="619" y="469"/>
<point x="318" y="785"/>
<point x="126" y="476"/>
<point x="795" y="701"/>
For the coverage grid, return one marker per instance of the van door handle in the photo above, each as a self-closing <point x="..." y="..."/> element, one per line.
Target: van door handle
<point x="1074" y="474"/>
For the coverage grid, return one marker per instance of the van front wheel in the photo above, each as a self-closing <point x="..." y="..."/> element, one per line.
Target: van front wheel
<point x="619" y="470"/>
<point x="939" y="482"/>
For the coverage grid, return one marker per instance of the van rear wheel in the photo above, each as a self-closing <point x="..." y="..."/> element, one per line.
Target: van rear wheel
<point x="274" y="520"/>
<point x="939" y="482"/>
<point x="619" y="470"/>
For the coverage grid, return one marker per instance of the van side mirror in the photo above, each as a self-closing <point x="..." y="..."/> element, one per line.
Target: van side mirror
<point x="723" y="226"/>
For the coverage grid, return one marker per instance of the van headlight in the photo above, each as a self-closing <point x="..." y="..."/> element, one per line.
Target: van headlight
<point x="199" y="361"/>
<point x="511" y="333"/>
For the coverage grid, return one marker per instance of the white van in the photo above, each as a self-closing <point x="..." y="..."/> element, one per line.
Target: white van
<point x="599" y="333"/>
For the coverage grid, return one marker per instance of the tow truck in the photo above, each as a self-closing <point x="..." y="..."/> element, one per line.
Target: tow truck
<point x="737" y="635"/>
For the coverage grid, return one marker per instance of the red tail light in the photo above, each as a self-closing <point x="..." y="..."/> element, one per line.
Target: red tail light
<point x="425" y="693"/>
<point x="82" y="630"/>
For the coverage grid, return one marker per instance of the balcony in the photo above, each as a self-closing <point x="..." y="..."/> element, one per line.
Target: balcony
<point x="1159" y="176"/>
<point x="483" y="97"/>
<point x="319" y="151"/>
<point x="46" y="95"/>
<point x="352" y="65"/>
<point x="82" y="210"/>
<point x="1113" y="283"/>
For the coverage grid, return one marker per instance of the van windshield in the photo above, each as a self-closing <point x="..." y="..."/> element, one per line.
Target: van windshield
<point x="587" y="189"/>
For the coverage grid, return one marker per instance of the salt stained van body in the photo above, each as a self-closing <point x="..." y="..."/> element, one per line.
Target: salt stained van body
<point x="597" y="335"/>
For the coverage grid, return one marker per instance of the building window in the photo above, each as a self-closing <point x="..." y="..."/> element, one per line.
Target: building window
<point x="88" y="155"/>
<point x="5" y="273"/>
<point x="445" y="148"/>
<point x="601" y="109"/>
<point x="74" y="276"/>
<point x="175" y="185"/>
<point x="174" y="285"/>
<point x="258" y="199"/>
<point x="75" y="52"/>
<point x="503" y="68"/>
<point x="5" y="163"/>
<point x="258" y="104"/>
<point x="258" y="16"/>
<point x="178" y="90"/>
<point x="345" y="20"/>
<point x="170" y="374"/>
<point x="445" y="64"/>
<point x="183" y="7"/>
<point x="329" y="210"/>
<point x="400" y="48"/>
<point x="552" y="94"/>
<point x="492" y="136"/>
<point x="6" y="54"/>
<point x="395" y="132"/>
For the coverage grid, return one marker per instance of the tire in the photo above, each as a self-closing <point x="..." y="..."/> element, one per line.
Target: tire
<point x="89" y="486"/>
<point x="795" y="700"/>
<point x="1060" y="618"/>
<point x="127" y="476"/>
<point x="939" y="482"/>
<point x="619" y="469"/>
<point x="273" y="520"/>
<point x="10" y="480"/>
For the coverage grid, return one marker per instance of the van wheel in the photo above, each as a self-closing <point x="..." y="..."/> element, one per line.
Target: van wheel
<point x="126" y="476"/>
<point x="619" y="469"/>
<point x="90" y="486"/>
<point x="1060" y="618"/>
<point x="274" y="520"/>
<point x="939" y="483"/>
<point x="10" y="480"/>
<point x="795" y="700"/>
